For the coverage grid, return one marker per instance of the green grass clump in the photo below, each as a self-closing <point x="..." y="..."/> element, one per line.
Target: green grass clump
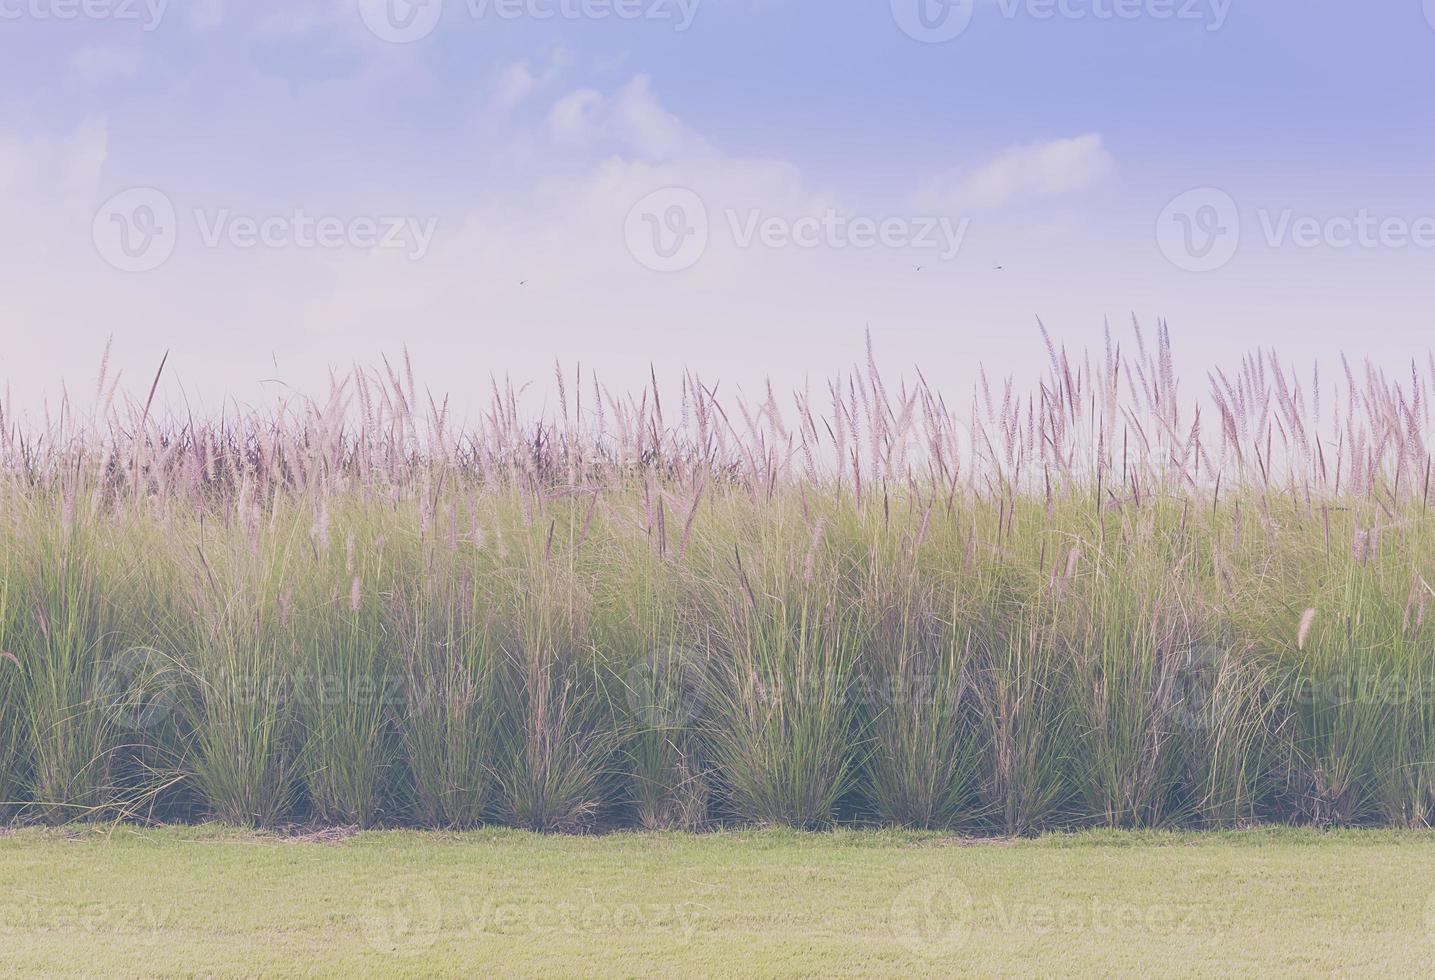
<point x="1090" y="607"/>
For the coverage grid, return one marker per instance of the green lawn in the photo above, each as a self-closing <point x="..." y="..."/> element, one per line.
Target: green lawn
<point x="209" y="901"/>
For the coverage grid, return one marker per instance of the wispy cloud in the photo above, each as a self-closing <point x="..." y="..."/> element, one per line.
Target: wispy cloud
<point x="204" y="15"/>
<point x="574" y="117"/>
<point x="518" y="81"/>
<point x="1023" y="173"/>
<point x="632" y="120"/>
<point x="53" y="171"/>
<point x="100" y="64"/>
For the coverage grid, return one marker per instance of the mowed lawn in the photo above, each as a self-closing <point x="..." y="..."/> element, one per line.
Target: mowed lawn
<point x="210" y="901"/>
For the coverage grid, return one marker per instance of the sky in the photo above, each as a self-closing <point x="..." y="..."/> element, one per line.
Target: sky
<point x="272" y="191"/>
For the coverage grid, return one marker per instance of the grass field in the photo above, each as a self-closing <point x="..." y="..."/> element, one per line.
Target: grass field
<point x="1092" y="602"/>
<point x="207" y="901"/>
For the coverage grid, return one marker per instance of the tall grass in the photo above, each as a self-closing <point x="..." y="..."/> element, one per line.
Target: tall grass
<point x="924" y="763"/>
<point x="1097" y="600"/>
<point x="72" y="711"/>
<point x="559" y="693"/>
<point x="237" y="719"/>
<point x="342" y="650"/>
<point x="12" y="764"/>
<point x="449" y="714"/>
<point x="783" y="721"/>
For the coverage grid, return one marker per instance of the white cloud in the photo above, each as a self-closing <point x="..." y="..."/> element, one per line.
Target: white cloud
<point x="534" y="265"/>
<point x="606" y="64"/>
<point x="650" y="129"/>
<point x="1031" y="172"/>
<point x="562" y="237"/>
<point x="204" y="15"/>
<point x="293" y="22"/>
<point x="99" y="64"/>
<point x="515" y="84"/>
<point x="574" y="117"/>
<point x="633" y="121"/>
<point x="47" y="199"/>
<point x="52" y="172"/>
<point x="518" y="81"/>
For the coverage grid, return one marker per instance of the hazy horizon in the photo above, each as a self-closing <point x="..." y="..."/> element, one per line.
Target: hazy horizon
<point x="740" y="187"/>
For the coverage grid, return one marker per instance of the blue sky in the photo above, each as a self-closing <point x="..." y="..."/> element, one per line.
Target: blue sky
<point x="507" y="156"/>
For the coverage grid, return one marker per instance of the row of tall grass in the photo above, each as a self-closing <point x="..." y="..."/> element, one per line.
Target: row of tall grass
<point x="1084" y="606"/>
